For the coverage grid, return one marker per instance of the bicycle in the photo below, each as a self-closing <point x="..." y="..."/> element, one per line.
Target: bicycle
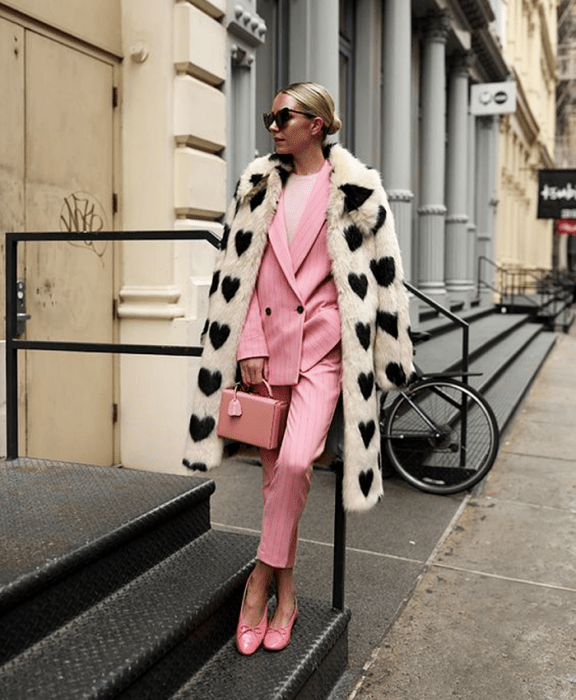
<point x="439" y="434"/>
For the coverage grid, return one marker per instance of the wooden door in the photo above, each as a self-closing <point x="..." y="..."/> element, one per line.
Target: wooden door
<point x="12" y="140"/>
<point x="68" y="186"/>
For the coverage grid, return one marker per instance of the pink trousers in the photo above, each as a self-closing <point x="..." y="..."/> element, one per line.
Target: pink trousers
<point x="287" y="470"/>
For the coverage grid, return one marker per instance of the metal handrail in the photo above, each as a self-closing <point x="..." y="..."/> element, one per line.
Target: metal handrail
<point x="464" y="325"/>
<point x="339" y="564"/>
<point x="482" y="283"/>
<point x="515" y="282"/>
<point x="13" y="345"/>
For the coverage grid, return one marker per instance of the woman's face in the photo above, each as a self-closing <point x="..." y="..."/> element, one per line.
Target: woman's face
<point x="300" y="133"/>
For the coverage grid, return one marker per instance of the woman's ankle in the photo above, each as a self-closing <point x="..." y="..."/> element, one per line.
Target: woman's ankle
<point x="261" y="576"/>
<point x="257" y="587"/>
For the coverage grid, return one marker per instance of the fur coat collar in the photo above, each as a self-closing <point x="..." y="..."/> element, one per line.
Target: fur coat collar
<point x="367" y="269"/>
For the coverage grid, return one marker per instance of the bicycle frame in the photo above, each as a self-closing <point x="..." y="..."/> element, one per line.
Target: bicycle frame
<point x="461" y="411"/>
<point x="429" y="422"/>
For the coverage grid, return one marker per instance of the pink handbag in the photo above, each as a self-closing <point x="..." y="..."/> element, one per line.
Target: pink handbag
<point x="251" y="418"/>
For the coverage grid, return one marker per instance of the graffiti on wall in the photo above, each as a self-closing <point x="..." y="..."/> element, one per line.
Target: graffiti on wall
<point x="83" y="213"/>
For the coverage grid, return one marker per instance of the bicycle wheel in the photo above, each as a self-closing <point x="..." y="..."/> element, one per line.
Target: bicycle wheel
<point x="441" y="435"/>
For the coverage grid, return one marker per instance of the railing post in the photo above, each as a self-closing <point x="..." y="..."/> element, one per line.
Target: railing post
<point x="465" y="352"/>
<point x="479" y="277"/>
<point x="339" y="565"/>
<point x="11" y="351"/>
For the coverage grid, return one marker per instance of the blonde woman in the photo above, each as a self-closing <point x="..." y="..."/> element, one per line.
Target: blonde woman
<point x="307" y="294"/>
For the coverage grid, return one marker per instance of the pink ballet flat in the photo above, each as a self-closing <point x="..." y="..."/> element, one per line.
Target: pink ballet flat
<point x="248" y="639"/>
<point x="278" y="638"/>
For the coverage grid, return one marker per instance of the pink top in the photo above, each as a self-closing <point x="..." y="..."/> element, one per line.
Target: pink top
<point x="296" y="195"/>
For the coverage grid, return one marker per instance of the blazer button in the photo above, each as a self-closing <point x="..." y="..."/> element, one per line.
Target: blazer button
<point x="300" y="309"/>
<point x="268" y="311"/>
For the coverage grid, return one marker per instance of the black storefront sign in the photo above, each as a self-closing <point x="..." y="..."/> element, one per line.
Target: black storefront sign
<point x="556" y="194"/>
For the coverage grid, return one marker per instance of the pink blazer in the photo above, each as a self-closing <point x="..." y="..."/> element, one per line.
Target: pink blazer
<point x="293" y="318"/>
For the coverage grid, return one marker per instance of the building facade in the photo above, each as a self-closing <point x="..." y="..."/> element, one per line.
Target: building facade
<point x="565" y="248"/>
<point x="527" y="137"/>
<point x="151" y="111"/>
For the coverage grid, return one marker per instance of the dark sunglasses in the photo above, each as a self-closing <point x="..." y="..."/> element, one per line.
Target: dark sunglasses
<point x="282" y="117"/>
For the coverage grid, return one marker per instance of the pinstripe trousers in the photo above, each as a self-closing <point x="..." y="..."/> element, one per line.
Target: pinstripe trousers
<point x="287" y="470"/>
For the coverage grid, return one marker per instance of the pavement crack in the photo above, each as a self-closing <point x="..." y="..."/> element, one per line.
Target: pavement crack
<point x="555" y="458"/>
<point x="500" y="577"/>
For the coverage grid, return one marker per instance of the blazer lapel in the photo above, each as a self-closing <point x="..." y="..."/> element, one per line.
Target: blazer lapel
<point x="279" y="242"/>
<point x="312" y="220"/>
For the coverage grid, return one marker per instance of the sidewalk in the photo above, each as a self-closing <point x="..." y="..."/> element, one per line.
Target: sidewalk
<point x="493" y="616"/>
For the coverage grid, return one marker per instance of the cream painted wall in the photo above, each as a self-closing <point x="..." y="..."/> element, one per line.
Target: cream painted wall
<point x="174" y="132"/>
<point x="171" y="175"/>
<point x="527" y="137"/>
<point x="94" y="21"/>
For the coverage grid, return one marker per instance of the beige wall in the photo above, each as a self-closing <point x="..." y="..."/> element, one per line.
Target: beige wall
<point x="95" y="21"/>
<point x="527" y="137"/>
<point x="170" y="174"/>
<point x="174" y="132"/>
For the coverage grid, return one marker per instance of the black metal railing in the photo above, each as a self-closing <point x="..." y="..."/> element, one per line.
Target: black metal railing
<point x="545" y="292"/>
<point x="339" y="565"/>
<point x="464" y="325"/>
<point x="14" y="345"/>
<point x="483" y="283"/>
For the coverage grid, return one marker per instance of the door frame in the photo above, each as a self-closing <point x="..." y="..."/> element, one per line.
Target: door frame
<point x="114" y="60"/>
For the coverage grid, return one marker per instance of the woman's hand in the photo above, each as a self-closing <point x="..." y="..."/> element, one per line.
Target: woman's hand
<point x="253" y="370"/>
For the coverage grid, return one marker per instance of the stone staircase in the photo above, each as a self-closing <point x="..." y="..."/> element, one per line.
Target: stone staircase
<point x="507" y="349"/>
<point x="114" y="585"/>
<point x="554" y="312"/>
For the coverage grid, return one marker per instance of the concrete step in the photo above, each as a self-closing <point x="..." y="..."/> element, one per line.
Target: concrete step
<point x="506" y="349"/>
<point x="443" y="352"/>
<point x="307" y="669"/>
<point x="552" y="309"/>
<point x="506" y="393"/>
<point x="74" y="533"/>
<point x="153" y="633"/>
<point x="492" y="363"/>
<point x="114" y="585"/>
<point x="440" y="324"/>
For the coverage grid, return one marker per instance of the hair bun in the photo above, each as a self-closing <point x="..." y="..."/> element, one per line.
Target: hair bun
<point x="335" y="126"/>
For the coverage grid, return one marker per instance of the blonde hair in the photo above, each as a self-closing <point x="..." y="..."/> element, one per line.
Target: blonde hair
<point x="316" y="99"/>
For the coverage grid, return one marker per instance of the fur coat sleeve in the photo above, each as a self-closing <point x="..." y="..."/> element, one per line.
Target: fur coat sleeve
<point x="367" y="269"/>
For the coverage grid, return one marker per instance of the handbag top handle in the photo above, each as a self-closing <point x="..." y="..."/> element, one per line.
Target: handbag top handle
<point x="268" y="387"/>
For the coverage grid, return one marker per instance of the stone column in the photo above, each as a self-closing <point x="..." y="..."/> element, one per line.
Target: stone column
<point x="314" y="43"/>
<point x="368" y="74"/>
<point x="471" y="229"/>
<point x="456" y="181"/>
<point x="397" y="121"/>
<point x="432" y="210"/>
<point x="486" y="140"/>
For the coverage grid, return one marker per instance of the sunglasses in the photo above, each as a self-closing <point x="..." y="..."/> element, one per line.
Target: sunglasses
<point x="282" y="117"/>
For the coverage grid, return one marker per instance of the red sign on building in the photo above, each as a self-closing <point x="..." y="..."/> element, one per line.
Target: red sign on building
<point x="566" y="226"/>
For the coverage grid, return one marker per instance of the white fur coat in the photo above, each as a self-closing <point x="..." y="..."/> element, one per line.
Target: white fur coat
<point x="367" y="269"/>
